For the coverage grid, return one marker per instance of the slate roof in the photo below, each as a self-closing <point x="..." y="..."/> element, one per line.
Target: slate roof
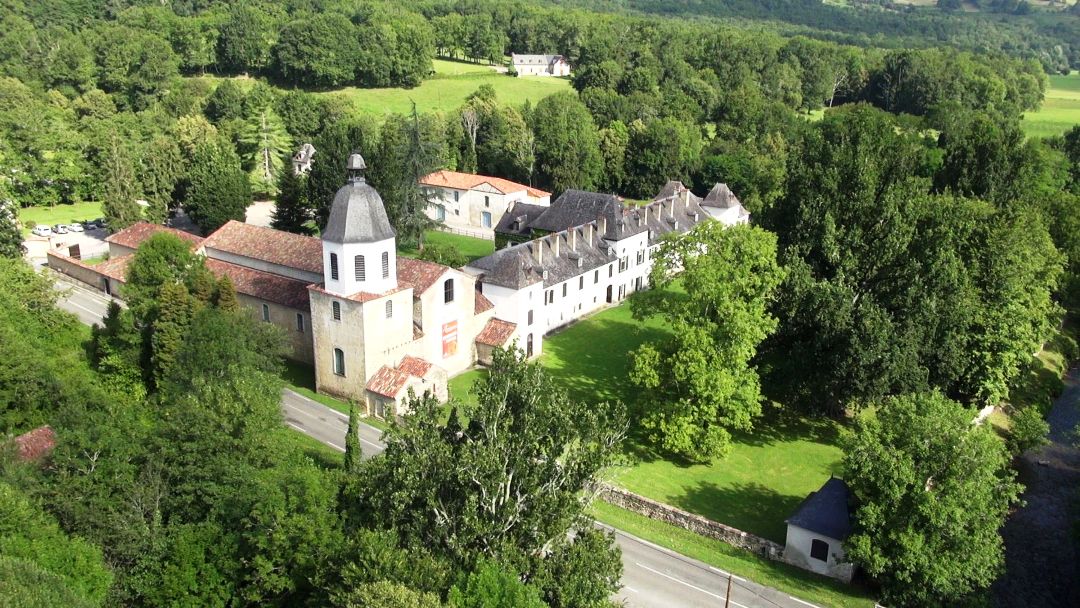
<point x="414" y="366"/>
<point x="525" y="264"/>
<point x="263" y="285"/>
<point x="357" y="215"/>
<point x="269" y="245"/>
<point x="825" y="511"/>
<point x="721" y="197"/>
<point x="496" y="333"/>
<point x="670" y="189"/>
<point x="517" y="219"/>
<point x="536" y="59"/>
<point x="387" y="382"/>
<point x="576" y="207"/>
<point x="468" y="181"/>
<point x="135" y="234"/>
<point x="35" y="444"/>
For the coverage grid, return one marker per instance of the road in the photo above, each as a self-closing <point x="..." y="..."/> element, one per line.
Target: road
<point x="653" y="577"/>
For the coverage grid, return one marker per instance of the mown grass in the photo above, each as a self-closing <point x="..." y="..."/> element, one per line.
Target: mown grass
<point x="470" y="247"/>
<point x="59" y="214"/>
<point x="323" y="455"/>
<point x="300" y="377"/>
<point x="799" y="583"/>
<point x="1060" y="111"/>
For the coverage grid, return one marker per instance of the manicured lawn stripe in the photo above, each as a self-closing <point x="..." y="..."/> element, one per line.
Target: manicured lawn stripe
<point x="799" y="583"/>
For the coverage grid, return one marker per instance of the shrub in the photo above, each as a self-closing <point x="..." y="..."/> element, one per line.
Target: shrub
<point x="1028" y="431"/>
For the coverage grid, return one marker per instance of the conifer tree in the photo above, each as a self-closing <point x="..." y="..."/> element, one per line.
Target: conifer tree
<point x="175" y="310"/>
<point x="225" y="295"/>
<point x="352" y="441"/>
<point x="219" y="189"/>
<point x="292" y="213"/>
<point x="120" y="188"/>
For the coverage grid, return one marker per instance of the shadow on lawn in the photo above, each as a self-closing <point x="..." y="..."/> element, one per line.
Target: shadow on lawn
<point x="750" y="507"/>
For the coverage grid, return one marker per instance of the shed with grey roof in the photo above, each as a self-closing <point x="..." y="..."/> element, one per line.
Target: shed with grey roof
<point x="818" y="528"/>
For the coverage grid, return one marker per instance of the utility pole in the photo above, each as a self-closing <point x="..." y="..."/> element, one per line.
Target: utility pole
<point x="727" y="596"/>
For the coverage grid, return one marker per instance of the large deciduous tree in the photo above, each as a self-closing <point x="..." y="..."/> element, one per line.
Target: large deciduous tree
<point x="508" y="486"/>
<point x="320" y="50"/>
<point x="931" y="491"/>
<point x="10" y="237"/>
<point x="700" y="383"/>
<point x="567" y="144"/>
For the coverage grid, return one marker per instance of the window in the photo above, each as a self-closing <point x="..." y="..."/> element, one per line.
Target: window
<point x="485" y="219"/>
<point x="457" y="211"/>
<point x="440" y="213"/>
<point x="564" y="290"/>
<point x="457" y="195"/>
<point x="448" y="291"/>
<point x="581" y="282"/>
<point x="819" y="549"/>
<point x="550" y="297"/>
<point x="386" y="265"/>
<point x="530" y="317"/>
<point x="487" y="201"/>
<point x="299" y="322"/>
<point x="339" y="362"/>
<point x="611" y="271"/>
<point x="624" y="262"/>
<point x="361" y="273"/>
<point x="335" y="309"/>
<point x="266" y="312"/>
<point x="389" y="309"/>
<point x="641" y="257"/>
<point x="333" y="266"/>
<point x="596" y="277"/>
<point x="528" y="346"/>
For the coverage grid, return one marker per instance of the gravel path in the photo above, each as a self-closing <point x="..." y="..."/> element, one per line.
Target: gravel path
<point x="1042" y="551"/>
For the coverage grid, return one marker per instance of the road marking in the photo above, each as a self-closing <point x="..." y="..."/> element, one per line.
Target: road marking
<point x="682" y="582"/>
<point x="308" y="433"/>
<point x="792" y="597"/>
<point x="628" y="588"/>
<point x="319" y="405"/>
<point x="743" y="580"/>
<point x="301" y="411"/>
<point x="80" y="306"/>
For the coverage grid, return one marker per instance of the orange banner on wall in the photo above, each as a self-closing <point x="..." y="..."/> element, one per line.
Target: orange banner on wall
<point x="449" y="339"/>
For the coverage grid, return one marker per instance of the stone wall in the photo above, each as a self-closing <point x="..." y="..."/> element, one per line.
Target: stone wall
<point x="75" y="269"/>
<point x="694" y="523"/>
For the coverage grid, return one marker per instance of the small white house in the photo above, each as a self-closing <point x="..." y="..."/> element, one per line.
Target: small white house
<point x="540" y="65"/>
<point x="817" y="530"/>
<point x="474" y="204"/>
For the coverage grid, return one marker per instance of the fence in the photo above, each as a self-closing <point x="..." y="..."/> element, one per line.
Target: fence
<point x="487" y="235"/>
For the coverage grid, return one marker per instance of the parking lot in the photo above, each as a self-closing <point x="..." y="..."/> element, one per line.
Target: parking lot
<point x="91" y="244"/>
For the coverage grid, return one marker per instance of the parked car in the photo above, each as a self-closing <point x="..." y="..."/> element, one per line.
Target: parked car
<point x="42" y="231"/>
<point x="60" y="229"/>
<point x="90" y="225"/>
<point x="76" y="227"/>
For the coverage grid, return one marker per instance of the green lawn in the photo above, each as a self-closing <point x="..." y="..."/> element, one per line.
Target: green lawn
<point x="323" y="455"/>
<point x="300" y="377"/>
<point x="60" y="214"/>
<point x="1060" y="111"/>
<point x="468" y="246"/>
<point x="800" y="583"/>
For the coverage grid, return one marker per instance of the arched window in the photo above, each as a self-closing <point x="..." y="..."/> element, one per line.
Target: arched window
<point x="339" y="362"/>
<point x="389" y="309"/>
<point x="333" y="266"/>
<point x="358" y="262"/>
<point x="385" y="265"/>
<point x="448" y="291"/>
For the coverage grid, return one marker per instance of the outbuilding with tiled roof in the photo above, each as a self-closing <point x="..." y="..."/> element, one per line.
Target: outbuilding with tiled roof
<point x="474" y="204"/>
<point x="125" y="242"/>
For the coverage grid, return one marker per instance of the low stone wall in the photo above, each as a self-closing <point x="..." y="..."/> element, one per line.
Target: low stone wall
<point x="694" y="523"/>
<point x="75" y="269"/>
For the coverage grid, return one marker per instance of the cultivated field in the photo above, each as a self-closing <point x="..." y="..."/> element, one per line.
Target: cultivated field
<point x="1060" y="111"/>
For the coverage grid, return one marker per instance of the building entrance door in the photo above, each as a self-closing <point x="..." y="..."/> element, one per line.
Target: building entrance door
<point x="609" y="294"/>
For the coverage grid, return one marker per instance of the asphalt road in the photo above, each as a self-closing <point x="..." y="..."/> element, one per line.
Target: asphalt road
<point x="653" y="577"/>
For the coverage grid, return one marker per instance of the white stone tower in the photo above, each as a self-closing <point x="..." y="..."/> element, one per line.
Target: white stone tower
<point x="359" y="245"/>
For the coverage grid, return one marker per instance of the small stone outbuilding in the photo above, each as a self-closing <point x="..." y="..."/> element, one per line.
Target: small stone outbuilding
<point x="817" y="530"/>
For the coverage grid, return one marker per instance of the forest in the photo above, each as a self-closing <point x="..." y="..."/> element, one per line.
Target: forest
<point x="918" y="248"/>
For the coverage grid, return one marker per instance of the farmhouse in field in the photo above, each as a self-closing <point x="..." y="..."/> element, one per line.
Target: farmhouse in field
<point x="474" y="204"/>
<point x="540" y="65"/>
<point x="817" y="530"/>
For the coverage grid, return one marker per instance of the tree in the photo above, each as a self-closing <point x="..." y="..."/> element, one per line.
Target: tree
<point x="490" y="586"/>
<point x="328" y="171"/>
<point x="658" y="151"/>
<point x="226" y="102"/>
<point x="353" y="454"/>
<point x="267" y="145"/>
<point x="10" y="237"/>
<point x="161" y="167"/>
<point x="700" y="384"/>
<point x="527" y="448"/>
<point x="225" y="295"/>
<point x="163" y="259"/>
<point x="931" y="491"/>
<point x="385" y="594"/>
<point x="567" y="144"/>
<point x="245" y="40"/>
<point x="219" y="190"/>
<point x="176" y="307"/>
<point x="292" y="211"/>
<point x="320" y="50"/>
<point x="121" y="187"/>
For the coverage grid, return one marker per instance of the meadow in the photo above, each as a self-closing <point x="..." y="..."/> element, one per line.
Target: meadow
<point x="1060" y="110"/>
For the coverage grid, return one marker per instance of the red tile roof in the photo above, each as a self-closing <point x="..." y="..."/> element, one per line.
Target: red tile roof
<point x="135" y="234"/>
<point x="418" y="274"/>
<point x="269" y="245"/>
<point x="482" y="304"/>
<point x="360" y="296"/>
<point x="468" y="181"/>
<point x="36" y="443"/>
<point x="414" y="366"/>
<point x="263" y="285"/>
<point x="496" y="333"/>
<point x="114" y="268"/>
<point x="387" y="382"/>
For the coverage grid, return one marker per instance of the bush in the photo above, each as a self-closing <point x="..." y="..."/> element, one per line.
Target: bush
<point x="1029" y="430"/>
<point x="443" y="253"/>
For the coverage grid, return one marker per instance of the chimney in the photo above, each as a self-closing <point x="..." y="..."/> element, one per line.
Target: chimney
<point x="589" y="228"/>
<point x="671" y="210"/>
<point x="647" y="214"/>
<point x="557" y="239"/>
<point x="686" y="199"/>
<point x="601" y="226"/>
<point x="573" y="239"/>
<point x="540" y="252"/>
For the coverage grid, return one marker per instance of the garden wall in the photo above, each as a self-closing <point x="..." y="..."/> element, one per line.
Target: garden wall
<point x="76" y="269"/>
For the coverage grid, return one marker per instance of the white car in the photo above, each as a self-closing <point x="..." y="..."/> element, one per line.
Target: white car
<point x="60" y="229"/>
<point x="75" y="227"/>
<point x="42" y="231"/>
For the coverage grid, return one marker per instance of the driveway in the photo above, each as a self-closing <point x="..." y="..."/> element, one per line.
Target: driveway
<point x="1042" y="547"/>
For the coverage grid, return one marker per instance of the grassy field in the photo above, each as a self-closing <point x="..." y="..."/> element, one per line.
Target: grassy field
<point x="1060" y="111"/>
<point x="60" y="214"/>
<point x="800" y="583"/>
<point x="452" y="83"/>
<point x="468" y="246"/>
